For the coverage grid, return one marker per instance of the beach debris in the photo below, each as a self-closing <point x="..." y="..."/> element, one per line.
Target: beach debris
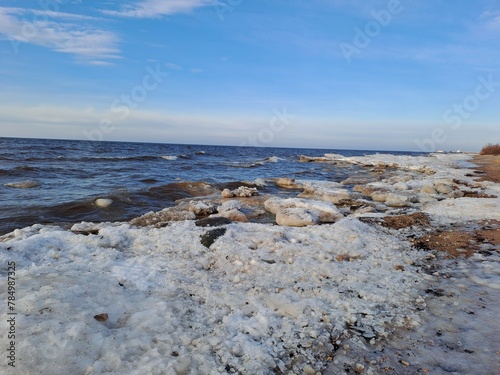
<point x="208" y="238"/>
<point x="242" y="192"/>
<point x="101" y="317"/>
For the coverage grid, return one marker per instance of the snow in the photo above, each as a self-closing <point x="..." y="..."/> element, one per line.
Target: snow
<point x="263" y="298"/>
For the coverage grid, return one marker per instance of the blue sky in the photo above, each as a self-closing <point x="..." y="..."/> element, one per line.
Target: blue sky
<point x="341" y="74"/>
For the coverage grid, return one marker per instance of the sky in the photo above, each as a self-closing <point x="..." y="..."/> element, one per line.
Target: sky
<point x="337" y="74"/>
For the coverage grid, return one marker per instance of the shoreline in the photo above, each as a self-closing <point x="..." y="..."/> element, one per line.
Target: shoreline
<point x="361" y="290"/>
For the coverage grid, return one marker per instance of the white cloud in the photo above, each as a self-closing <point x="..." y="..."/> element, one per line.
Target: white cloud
<point x="84" y="41"/>
<point x="158" y="8"/>
<point x="491" y="20"/>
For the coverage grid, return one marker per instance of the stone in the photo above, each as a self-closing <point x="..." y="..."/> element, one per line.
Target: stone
<point x="101" y="317"/>
<point x="395" y="200"/>
<point x="234" y="215"/>
<point x="201" y="208"/>
<point x="334" y="195"/>
<point x="400" y="186"/>
<point x="379" y="196"/>
<point x="208" y="238"/>
<point x="427" y="189"/>
<point x="242" y="192"/>
<point x="288" y="183"/>
<point x="212" y="221"/>
<point x="103" y="202"/>
<point x="327" y="211"/>
<point x="443" y="189"/>
<point x="297" y="217"/>
<point x="163" y="216"/>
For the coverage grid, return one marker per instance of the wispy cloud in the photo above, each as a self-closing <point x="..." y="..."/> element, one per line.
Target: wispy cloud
<point x="490" y="20"/>
<point x="158" y="8"/>
<point x="84" y="41"/>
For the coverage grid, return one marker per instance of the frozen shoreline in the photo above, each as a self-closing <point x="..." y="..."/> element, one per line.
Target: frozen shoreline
<point x="262" y="299"/>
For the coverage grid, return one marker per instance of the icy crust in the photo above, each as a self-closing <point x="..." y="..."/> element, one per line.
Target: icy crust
<point x="262" y="299"/>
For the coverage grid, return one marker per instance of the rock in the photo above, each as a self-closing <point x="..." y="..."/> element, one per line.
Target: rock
<point x="162" y="217"/>
<point x="379" y="196"/>
<point x="226" y="193"/>
<point x="234" y="215"/>
<point x="212" y="222"/>
<point x="103" y="202"/>
<point x="443" y="189"/>
<point x="86" y="228"/>
<point x="395" y="200"/>
<point x="242" y="192"/>
<point x="365" y="210"/>
<point x="328" y="213"/>
<point x="426" y="199"/>
<point x="456" y="194"/>
<point x="201" y="208"/>
<point x="297" y="217"/>
<point x="400" y="186"/>
<point x="364" y="189"/>
<point x="229" y="206"/>
<point x="334" y="195"/>
<point x="288" y="183"/>
<point x="101" y="317"/>
<point x="208" y="238"/>
<point x="427" y="189"/>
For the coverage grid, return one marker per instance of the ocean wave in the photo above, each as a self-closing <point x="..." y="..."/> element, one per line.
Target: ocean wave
<point x="28" y="184"/>
<point x="169" y="157"/>
<point x="258" y="163"/>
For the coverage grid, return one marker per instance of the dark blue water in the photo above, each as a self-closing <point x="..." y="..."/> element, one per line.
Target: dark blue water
<point x="139" y="177"/>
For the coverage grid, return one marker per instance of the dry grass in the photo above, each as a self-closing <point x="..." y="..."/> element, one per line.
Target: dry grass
<point x="491" y="149"/>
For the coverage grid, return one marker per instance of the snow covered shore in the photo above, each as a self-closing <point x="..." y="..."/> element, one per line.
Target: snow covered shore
<point x="263" y="298"/>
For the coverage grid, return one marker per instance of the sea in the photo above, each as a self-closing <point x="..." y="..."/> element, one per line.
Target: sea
<point x="57" y="181"/>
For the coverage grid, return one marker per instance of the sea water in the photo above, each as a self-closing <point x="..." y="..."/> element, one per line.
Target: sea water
<point x="58" y="181"/>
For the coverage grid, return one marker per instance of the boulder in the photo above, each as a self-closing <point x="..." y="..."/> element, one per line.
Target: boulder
<point x="242" y="192"/>
<point x="297" y="217"/>
<point x="163" y="216"/>
<point x="396" y="200"/>
<point x="427" y="189"/>
<point x="201" y="208"/>
<point x="443" y="189"/>
<point x="327" y="211"/>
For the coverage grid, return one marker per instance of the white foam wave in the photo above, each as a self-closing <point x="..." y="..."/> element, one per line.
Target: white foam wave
<point x="169" y="157"/>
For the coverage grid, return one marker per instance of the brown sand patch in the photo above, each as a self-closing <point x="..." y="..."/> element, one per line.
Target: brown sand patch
<point x="457" y="243"/>
<point x="400" y="221"/>
<point x="489" y="165"/>
<point x="475" y="194"/>
<point x="453" y="242"/>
